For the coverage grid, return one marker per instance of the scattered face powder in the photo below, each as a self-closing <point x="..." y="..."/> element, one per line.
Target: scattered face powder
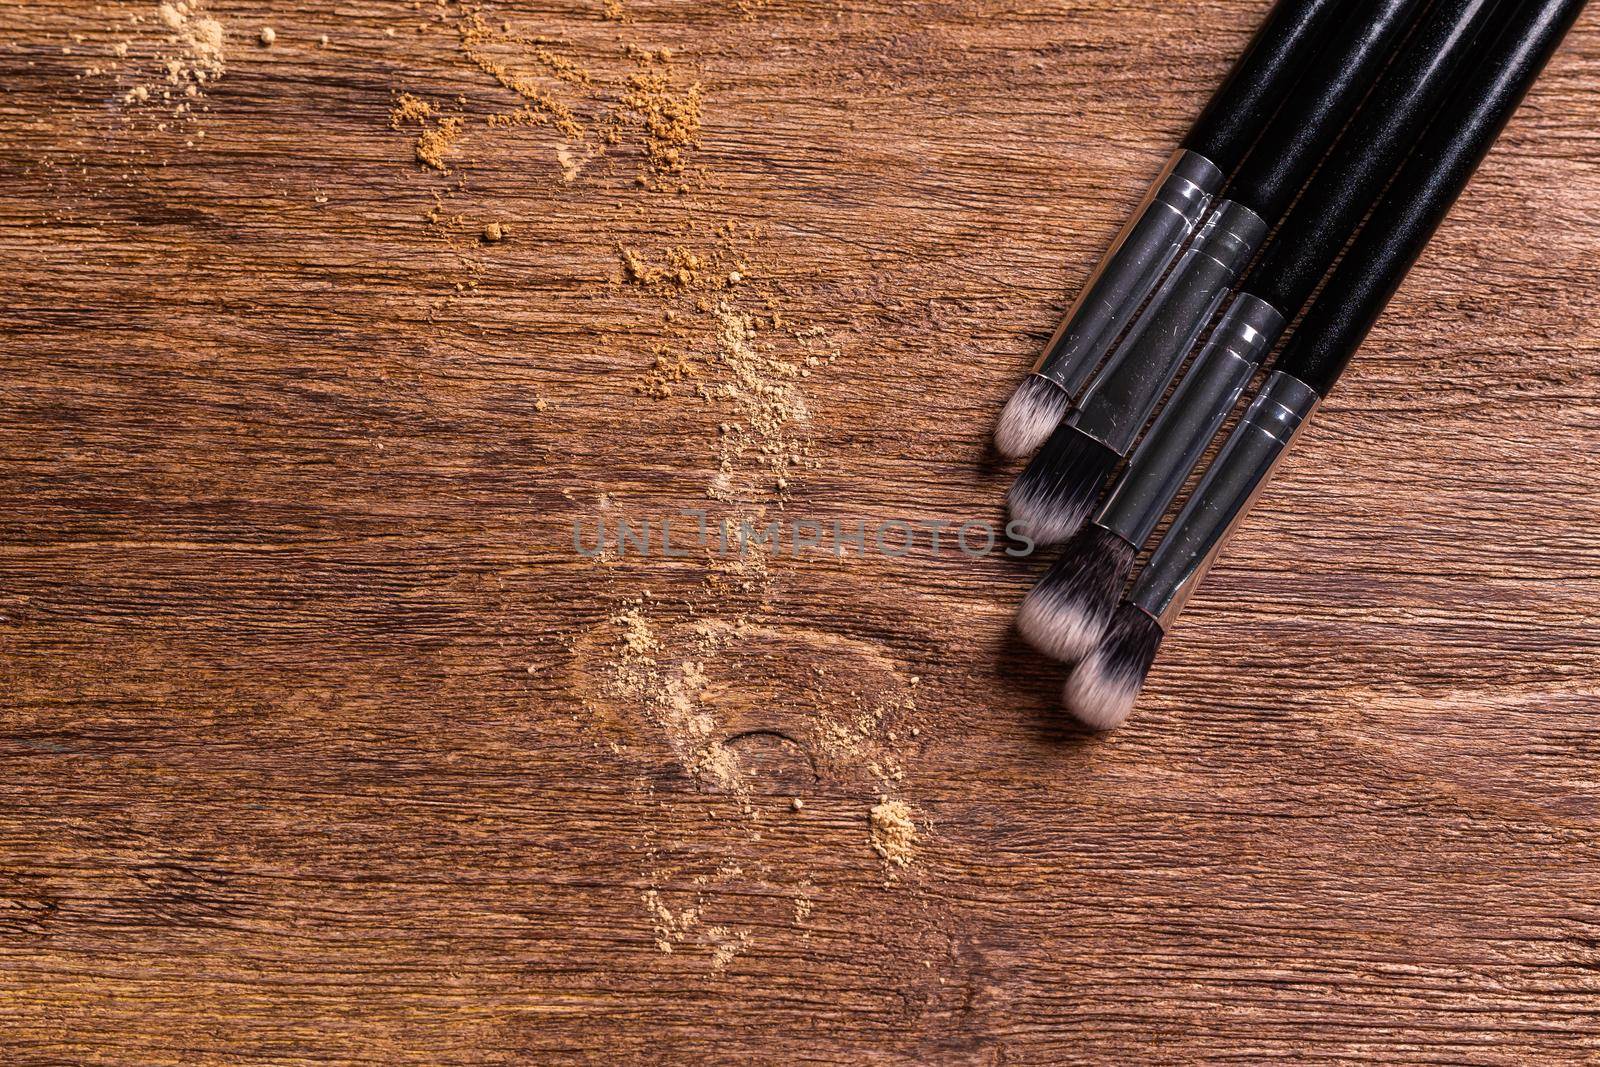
<point x="894" y="834"/>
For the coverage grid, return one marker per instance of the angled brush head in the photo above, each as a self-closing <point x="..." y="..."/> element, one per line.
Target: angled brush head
<point x="1054" y="494"/>
<point x="1034" y="410"/>
<point x="1065" y="615"/>
<point x="1102" y="689"/>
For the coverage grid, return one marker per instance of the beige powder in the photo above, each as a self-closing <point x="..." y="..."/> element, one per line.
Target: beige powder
<point x="670" y="116"/>
<point x="438" y="136"/>
<point x="487" y="49"/>
<point x="894" y="834"/>
<point x="763" y="389"/>
<point x="189" y="51"/>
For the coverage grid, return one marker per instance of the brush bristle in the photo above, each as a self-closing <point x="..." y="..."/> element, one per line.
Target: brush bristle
<point x="1102" y="689"/>
<point x="1056" y="491"/>
<point x="1066" y="614"/>
<point x="1032" y="413"/>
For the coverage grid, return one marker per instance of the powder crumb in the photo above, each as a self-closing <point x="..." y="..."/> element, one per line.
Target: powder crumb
<point x="494" y="232"/>
<point x="669" y="368"/>
<point x="433" y="145"/>
<point x="268" y="36"/>
<point x="322" y="42"/>
<point x="762" y="388"/>
<point x="671" y="119"/>
<point x="671" y="927"/>
<point x="797" y="804"/>
<point x="637" y="636"/>
<point x="894" y="834"/>
<point x="484" y="45"/>
<point x="725" y="946"/>
<point x="435" y="142"/>
<point x="720" y="764"/>
<point x="408" y="108"/>
<point x="685" y="268"/>
<point x="189" y="54"/>
<point x="634" y="267"/>
<point x="541" y="404"/>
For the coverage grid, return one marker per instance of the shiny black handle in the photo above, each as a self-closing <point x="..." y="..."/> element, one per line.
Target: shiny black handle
<point x="1371" y="150"/>
<point x="1275" y="61"/>
<point x="1424" y="191"/>
<point x="1297" y="138"/>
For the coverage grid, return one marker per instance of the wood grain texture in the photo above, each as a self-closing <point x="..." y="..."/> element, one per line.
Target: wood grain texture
<point x="322" y="745"/>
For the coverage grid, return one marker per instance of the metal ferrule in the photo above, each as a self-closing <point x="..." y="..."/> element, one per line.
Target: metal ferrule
<point x="1188" y="422"/>
<point x="1132" y="383"/>
<point x="1147" y="245"/>
<point x="1223" y="497"/>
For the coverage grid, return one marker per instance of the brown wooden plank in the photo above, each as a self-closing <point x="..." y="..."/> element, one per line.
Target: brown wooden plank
<point x="323" y="745"/>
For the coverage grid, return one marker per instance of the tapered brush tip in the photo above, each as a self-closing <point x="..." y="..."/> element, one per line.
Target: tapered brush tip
<point x="1054" y="494"/>
<point x="1102" y="689"/>
<point x="1032" y="413"/>
<point x="1065" y="615"/>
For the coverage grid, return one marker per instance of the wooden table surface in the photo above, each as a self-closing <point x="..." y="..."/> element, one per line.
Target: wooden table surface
<point x="322" y="742"/>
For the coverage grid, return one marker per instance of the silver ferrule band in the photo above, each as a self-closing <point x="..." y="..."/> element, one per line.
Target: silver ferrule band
<point x="1147" y="245"/>
<point x="1187" y="423"/>
<point x="1132" y="382"/>
<point x="1223" y="497"/>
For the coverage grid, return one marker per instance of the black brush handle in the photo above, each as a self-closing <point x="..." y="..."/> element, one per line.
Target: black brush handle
<point x="1424" y="191"/>
<point x="1299" y="135"/>
<point x="1259" y="81"/>
<point x="1377" y="143"/>
<point x="1181" y="195"/>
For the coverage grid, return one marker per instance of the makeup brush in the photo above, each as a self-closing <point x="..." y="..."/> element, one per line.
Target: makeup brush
<point x="1177" y="200"/>
<point x="1054" y="494"/>
<point x="1102" y="689"/>
<point x="1066" y="613"/>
